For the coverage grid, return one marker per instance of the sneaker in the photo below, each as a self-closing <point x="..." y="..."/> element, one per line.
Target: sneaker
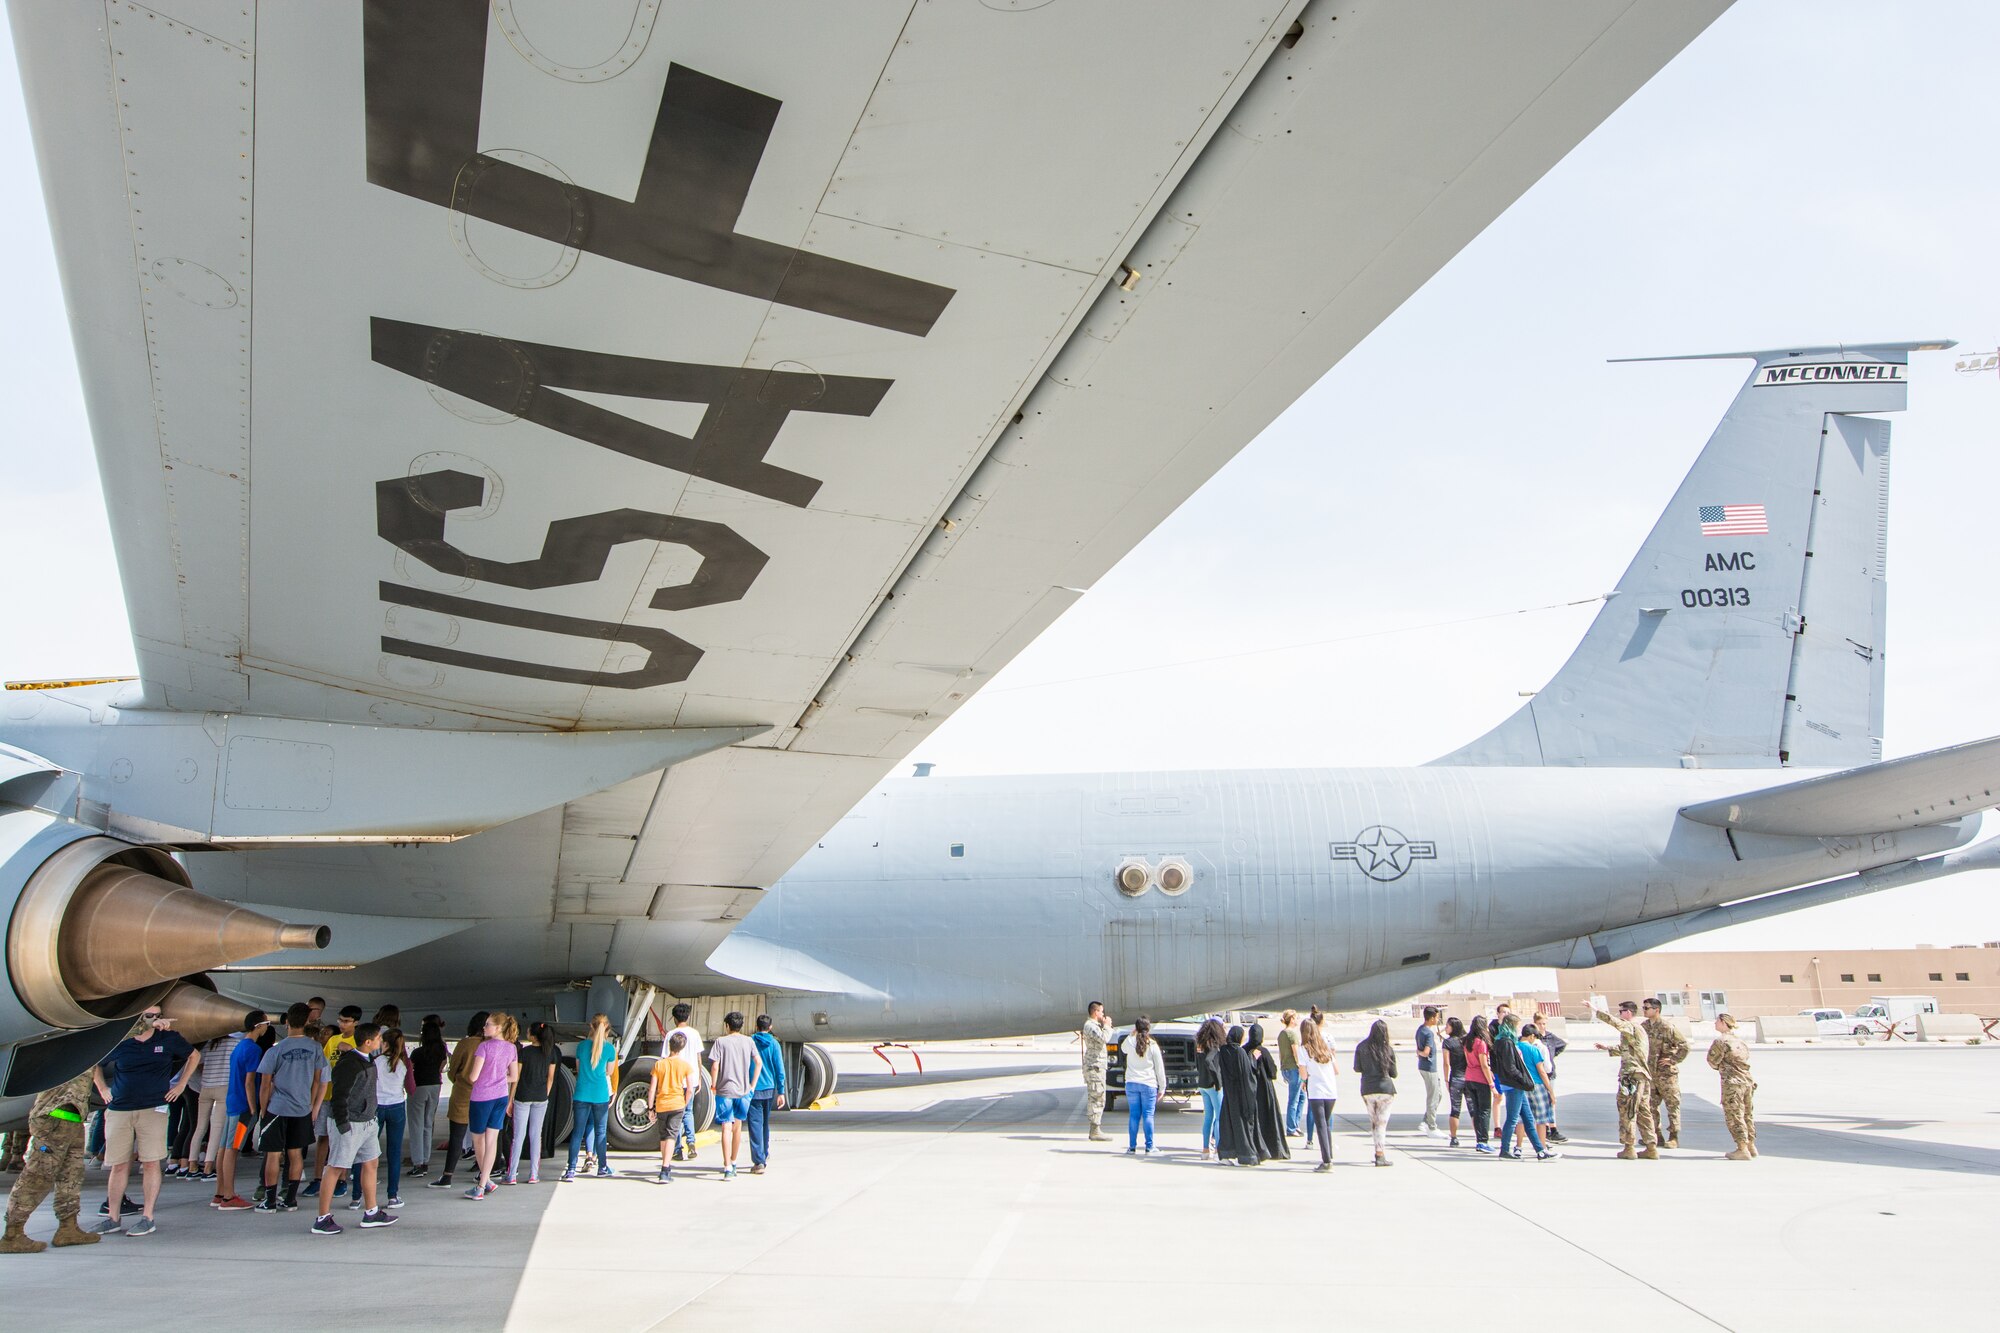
<point x="215" y="1201"/>
<point x="729" y="1172"/>
<point x="1453" y="1143"/>
<point x="393" y="1201"/>
<point x="233" y="1204"/>
<point x="1383" y="1161"/>
<point x="266" y="1206"/>
<point x="420" y="1170"/>
<point x="354" y="1203"/>
<point x="170" y="1170"/>
<point x="143" y="1227"/>
<point x="1547" y="1155"/>
<point x="664" y="1176"/>
<point x="207" y="1176"/>
<point x="510" y="1179"/>
<point x="443" y="1182"/>
<point x="679" y="1156"/>
<point x="1131" y="1152"/>
<point x="1149" y="1151"/>
<point x="324" y="1225"/>
<point x="1483" y="1147"/>
<point x="311" y="1191"/>
<point x="475" y="1193"/>
<point x="605" y="1173"/>
<point x="568" y="1175"/>
<point x="125" y="1205"/>
<point x="340" y="1189"/>
<point x="1323" y="1166"/>
<point x="1554" y="1135"/>
<point x="378" y="1218"/>
<point x="757" y="1169"/>
<point x="290" y="1203"/>
<point x="107" y="1226"/>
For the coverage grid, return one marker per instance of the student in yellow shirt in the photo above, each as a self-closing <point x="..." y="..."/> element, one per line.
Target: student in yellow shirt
<point x="673" y="1086"/>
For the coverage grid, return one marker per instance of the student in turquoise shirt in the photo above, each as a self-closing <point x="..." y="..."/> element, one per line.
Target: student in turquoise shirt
<point x="596" y="1083"/>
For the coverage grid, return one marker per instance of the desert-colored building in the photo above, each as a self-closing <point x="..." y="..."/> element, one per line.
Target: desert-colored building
<point x="1964" y="978"/>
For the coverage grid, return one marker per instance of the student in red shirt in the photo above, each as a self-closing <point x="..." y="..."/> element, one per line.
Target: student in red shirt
<point x="1479" y="1082"/>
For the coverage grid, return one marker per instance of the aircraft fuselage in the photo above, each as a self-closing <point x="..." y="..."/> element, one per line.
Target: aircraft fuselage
<point x="988" y="906"/>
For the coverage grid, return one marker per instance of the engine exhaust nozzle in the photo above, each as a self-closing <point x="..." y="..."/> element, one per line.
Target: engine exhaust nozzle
<point x="126" y="929"/>
<point x="200" y="1014"/>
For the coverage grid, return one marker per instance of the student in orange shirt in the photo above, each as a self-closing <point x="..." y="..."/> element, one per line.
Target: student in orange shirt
<point x="673" y="1085"/>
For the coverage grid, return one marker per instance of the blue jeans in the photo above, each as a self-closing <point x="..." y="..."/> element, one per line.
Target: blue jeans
<point x="1211" y="1117"/>
<point x="1140" y="1099"/>
<point x="593" y="1120"/>
<point x="391" y="1120"/>
<point x="1295" y="1100"/>
<point x="760" y="1127"/>
<point x="1518" y="1110"/>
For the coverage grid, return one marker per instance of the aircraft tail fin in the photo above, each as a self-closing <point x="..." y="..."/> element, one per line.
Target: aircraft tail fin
<point x="1748" y="631"/>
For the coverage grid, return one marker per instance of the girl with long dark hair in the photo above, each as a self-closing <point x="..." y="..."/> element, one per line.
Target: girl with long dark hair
<point x="1454" y="1054"/>
<point x="531" y="1101"/>
<point x="1375" y="1061"/>
<point x="1145" y="1080"/>
<point x="458" y="1110"/>
<point x="427" y="1075"/>
<point x="1479" y="1081"/>
<point x="1208" y="1041"/>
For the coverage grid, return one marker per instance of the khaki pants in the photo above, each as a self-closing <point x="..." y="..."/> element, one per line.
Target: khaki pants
<point x="211" y="1126"/>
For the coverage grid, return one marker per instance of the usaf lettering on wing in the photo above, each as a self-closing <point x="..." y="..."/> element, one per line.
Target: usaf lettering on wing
<point x="425" y="74"/>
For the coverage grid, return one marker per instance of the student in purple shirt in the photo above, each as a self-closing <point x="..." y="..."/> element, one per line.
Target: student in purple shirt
<point x="495" y="1067"/>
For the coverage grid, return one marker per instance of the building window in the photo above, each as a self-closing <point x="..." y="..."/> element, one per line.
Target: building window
<point x="1963" y="976"/>
<point x="1874" y="976"/>
<point x="1847" y="976"/>
<point x="1937" y="976"/>
<point x="958" y="849"/>
<point x="1785" y="976"/>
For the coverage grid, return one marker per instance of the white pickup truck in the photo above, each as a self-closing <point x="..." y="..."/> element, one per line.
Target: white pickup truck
<point x="1883" y="1013"/>
<point x="1831" y="1022"/>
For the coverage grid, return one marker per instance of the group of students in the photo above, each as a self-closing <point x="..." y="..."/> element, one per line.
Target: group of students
<point x="1243" y="1120"/>
<point x="1505" y="1065"/>
<point x="357" y="1097"/>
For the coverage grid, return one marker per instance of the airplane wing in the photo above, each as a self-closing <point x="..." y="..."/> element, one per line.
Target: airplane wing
<point x="783" y="366"/>
<point x="1930" y="788"/>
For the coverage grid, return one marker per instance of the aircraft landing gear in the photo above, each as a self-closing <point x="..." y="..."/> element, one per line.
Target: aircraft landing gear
<point x="809" y="1074"/>
<point x="634" y="1126"/>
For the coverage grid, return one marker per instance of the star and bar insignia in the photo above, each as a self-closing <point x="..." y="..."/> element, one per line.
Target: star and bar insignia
<point x="1383" y="853"/>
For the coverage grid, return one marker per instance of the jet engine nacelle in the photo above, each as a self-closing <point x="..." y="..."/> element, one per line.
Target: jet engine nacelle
<point x="97" y="929"/>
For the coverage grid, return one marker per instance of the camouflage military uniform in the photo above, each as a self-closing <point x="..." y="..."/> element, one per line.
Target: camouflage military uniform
<point x="55" y="1163"/>
<point x="1096" y="1056"/>
<point x="1730" y="1057"/>
<point x="1669" y="1048"/>
<point x="1635" y="1086"/>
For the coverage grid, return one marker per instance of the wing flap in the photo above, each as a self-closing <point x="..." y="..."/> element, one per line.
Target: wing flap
<point x="1930" y="788"/>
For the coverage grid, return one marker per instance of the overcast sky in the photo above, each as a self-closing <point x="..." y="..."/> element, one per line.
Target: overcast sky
<point x="1808" y="171"/>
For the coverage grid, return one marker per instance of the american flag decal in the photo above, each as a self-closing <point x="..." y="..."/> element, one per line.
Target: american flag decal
<point x="1733" y="521"/>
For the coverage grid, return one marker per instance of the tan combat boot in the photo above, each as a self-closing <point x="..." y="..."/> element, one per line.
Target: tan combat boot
<point x="1738" y="1155"/>
<point x="69" y="1233"/>
<point x="1626" y="1154"/>
<point x="1651" y="1154"/>
<point x="17" y="1241"/>
<point x="1097" y="1134"/>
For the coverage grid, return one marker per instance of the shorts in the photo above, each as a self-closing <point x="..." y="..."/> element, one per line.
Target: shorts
<point x="320" y="1122"/>
<point x="125" y="1131"/>
<point x="243" y="1133"/>
<point x="728" y="1109"/>
<point x="284" y="1133"/>
<point x="354" y="1145"/>
<point x="487" y="1115"/>
<point x="670" y="1125"/>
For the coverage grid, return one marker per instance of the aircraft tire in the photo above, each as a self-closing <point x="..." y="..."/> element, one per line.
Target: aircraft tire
<point x="561" y="1117"/>
<point x="634" y="1127"/>
<point x="832" y="1071"/>
<point x="813" y="1069"/>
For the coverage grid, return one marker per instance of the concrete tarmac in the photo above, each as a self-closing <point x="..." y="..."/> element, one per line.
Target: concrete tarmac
<point x="967" y="1198"/>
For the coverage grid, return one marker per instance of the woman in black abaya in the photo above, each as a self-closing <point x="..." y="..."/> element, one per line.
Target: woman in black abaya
<point x="1270" y="1115"/>
<point x="1236" y="1137"/>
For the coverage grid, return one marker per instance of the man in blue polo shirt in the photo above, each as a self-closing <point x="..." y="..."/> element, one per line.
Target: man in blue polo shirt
<point x="240" y="1105"/>
<point x="137" y="1081"/>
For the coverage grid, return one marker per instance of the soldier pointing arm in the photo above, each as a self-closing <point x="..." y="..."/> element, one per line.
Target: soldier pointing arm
<point x="1635" y="1080"/>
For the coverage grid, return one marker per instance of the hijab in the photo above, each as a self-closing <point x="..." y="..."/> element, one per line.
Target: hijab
<point x="1256" y="1041"/>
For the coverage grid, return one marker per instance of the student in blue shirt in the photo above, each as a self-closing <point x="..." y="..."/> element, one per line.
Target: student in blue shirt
<point x="239" y="1104"/>
<point x="768" y="1096"/>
